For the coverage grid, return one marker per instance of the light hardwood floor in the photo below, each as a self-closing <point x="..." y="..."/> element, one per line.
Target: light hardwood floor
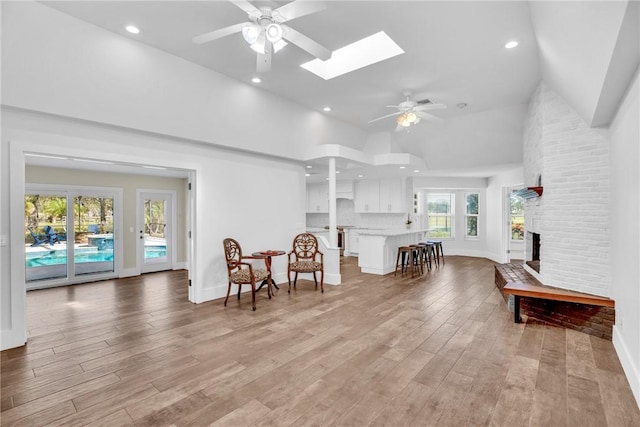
<point x="439" y="349"/>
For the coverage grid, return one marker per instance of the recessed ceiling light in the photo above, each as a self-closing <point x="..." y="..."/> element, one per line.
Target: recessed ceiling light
<point x="416" y="171"/>
<point x="402" y="167"/>
<point x="327" y="109"/>
<point x="327" y="178"/>
<point x="307" y="174"/>
<point x="309" y="166"/>
<point x="132" y="29"/>
<point x="511" y="44"/>
<point x="360" y="176"/>
<point x="256" y="79"/>
<point x="337" y="171"/>
<point x="369" y="50"/>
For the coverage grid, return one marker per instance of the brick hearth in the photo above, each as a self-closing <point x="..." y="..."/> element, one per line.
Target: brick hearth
<point x="590" y="319"/>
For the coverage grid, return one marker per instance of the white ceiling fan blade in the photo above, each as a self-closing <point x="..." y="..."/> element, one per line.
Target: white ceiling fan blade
<point x="424" y="107"/>
<point x="247" y="7"/>
<point x="222" y="32"/>
<point x="428" y="116"/>
<point x="296" y="9"/>
<point x="305" y="43"/>
<point x="384" y="117"/>
<point x="263" y="64"/>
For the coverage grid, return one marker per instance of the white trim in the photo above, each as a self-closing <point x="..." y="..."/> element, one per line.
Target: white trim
<point x="18" y="334"/>
<point x="129" y="272"/>
<point x="627" y="361"/>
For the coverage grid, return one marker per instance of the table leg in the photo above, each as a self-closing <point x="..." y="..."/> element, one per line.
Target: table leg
<point x="264" y="282"/>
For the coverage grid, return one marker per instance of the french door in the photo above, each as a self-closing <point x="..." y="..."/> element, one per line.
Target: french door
<point x="155" y="230"/>
<point x="69" y="234"/>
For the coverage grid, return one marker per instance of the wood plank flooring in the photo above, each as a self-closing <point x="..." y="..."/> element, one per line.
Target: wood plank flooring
<point x="435" y="350"/>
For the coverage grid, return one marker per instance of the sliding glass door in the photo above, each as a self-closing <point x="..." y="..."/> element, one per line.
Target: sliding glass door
<point x="93" y="225"/>
<point x="69" y="235"/>
<point x="45" y="236"/>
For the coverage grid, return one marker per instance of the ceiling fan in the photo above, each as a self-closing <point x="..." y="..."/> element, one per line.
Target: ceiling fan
<point x="411" y="112"/>
<point x="266" y="33"/>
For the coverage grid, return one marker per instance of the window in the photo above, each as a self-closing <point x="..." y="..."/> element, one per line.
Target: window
<point x="440" y="214"/>
<point x="471" y="216"/>
<point x="516" y="217"/>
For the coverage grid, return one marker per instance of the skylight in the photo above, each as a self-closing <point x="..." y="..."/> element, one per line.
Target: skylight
<point x="354" y="56"/>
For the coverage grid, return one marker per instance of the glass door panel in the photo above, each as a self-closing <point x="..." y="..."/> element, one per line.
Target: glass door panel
<point x="155" y="241"/>
<point x="93" y="225"/>
<point x="45" y="237"/>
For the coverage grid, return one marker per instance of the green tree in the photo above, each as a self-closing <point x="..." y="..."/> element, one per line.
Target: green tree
<point x="56" y="207"/>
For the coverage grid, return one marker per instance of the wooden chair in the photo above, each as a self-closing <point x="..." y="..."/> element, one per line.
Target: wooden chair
<point x="243" y="273"/>
<point x="303" y="259"/>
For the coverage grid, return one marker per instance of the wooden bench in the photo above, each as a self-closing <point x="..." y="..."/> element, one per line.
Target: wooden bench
<point x="520" y="289"/>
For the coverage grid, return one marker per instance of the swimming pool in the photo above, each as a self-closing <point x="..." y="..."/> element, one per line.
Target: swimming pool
<point x="44" y="258"/>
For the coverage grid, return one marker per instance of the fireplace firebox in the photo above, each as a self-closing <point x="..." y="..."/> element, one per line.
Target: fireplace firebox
<point x="534" y="245"/>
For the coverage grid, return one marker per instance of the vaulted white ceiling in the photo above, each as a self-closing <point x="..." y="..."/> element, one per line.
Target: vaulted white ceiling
<point x="454" y="54"/>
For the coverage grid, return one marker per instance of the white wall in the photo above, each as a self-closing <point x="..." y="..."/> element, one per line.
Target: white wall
<point x="625" y="234"/>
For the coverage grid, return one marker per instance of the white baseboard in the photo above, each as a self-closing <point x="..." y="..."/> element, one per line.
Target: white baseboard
<point x="181" y="265"/>
<point x="628" y="363"/>
<point x="11" y="339"/>
<point x="129" y="272"/>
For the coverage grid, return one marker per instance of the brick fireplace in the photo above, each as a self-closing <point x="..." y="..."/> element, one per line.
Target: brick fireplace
<point x="568" y="223"/>
<point x="571" y="161"/>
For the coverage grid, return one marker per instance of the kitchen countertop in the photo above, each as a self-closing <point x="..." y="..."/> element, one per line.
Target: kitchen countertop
<point x="391" y="231"/>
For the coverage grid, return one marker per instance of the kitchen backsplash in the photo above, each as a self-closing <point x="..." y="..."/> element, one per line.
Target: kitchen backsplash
<point x="346" y="216"/>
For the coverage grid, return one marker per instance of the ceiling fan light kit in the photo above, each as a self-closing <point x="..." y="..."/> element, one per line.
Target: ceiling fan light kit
<point x="265" y="33"/>
<point x="411" y="112"/>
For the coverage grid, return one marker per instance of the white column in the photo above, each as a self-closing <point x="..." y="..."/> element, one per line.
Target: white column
<point x="333" y="231"/>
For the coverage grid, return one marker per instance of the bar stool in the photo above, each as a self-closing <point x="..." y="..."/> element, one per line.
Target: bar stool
<point x="405" y="252"/>
<point x="431" y="253"/>
<point x="439" y="250"/>
<point x="418" y="257"/>
<point x="427" y="251"/>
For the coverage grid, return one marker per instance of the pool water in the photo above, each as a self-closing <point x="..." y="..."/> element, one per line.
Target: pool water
<point x="40" y="259"/>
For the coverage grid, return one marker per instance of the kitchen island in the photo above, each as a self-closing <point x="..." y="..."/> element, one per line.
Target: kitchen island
<point x="379" y="248"/>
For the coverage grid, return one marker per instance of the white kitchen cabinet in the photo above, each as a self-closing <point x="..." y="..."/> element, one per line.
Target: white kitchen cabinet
<point x="366" y="198"/>
<point x="354" y="238"/>
<point x="380" y="196"/>
<point x="317" y="198"/>
<point x="392" y="196"/>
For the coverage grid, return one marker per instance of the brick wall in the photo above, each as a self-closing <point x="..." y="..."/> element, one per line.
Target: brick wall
<point x="572" y="216"/>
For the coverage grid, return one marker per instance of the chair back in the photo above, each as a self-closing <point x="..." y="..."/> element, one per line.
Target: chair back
<point x="305" y="246"/>
<point x="232" y="254"/>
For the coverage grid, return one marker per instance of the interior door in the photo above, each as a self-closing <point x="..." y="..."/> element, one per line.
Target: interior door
<point x="155" y="230"/>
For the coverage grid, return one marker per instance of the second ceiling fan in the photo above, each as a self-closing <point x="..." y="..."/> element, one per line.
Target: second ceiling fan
<point x="266" y="33"/>
<point x="411" y="112"/>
